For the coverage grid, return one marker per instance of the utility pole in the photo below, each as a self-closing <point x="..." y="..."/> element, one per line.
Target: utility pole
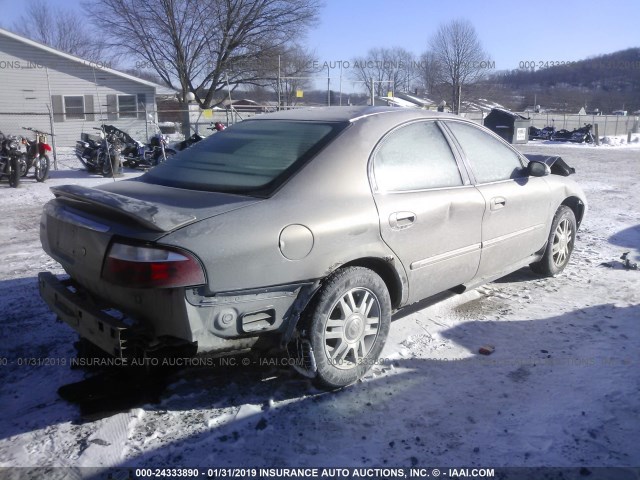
<point x="279" y="100"/>
<point x="328" y="87"/>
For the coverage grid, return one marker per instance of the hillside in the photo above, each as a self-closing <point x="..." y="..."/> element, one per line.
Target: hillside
<point x="606" y="82"/>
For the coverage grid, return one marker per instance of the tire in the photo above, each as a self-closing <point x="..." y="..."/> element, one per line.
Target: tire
<point x="22" y="166"/>
<point x="168" y="153"/>
<point x="347" y="326"/>
<point x="559" y="245"/>
<point x="106" y="169"/>
<point x="14" y="173"/>
<point x="131" y="163"/>
<point x="42" y="165"/>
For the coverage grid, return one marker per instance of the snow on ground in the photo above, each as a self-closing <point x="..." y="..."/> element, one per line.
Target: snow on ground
<point x="561" y="388"/>
<point x="616" y="141"/>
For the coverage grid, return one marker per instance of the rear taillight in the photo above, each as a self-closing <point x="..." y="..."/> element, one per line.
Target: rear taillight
<point x="138" y="266"/>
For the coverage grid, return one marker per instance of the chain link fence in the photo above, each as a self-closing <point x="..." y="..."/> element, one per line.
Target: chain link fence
<point x="607" y="124"/>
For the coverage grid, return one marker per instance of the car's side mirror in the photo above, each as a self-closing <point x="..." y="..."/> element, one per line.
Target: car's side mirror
<point x="538" y="169"/>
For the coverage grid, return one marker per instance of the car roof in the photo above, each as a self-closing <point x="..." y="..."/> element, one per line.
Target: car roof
<point x="350" y="114"/>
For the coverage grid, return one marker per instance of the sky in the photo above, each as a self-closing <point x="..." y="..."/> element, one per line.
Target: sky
<point x="510" y="31"/>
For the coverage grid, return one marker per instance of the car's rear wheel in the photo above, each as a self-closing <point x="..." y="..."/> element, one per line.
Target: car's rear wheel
<point x="347" y="325"/>
<point x="559" y="245"/>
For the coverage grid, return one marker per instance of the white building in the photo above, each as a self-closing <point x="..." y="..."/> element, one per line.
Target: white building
<point x="46" y="89"/>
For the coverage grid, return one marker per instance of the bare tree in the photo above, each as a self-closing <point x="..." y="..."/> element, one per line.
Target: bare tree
<point x="389" y="69"/>
<point x="458" y="51"/>
<point x="61" y="29"/>
<point x="429" y="72"/>
<point x="201" y="46"/>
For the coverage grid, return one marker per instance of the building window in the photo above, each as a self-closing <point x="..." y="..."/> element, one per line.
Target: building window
<point x="74" y="107"/>
<point x="127" y="106"/>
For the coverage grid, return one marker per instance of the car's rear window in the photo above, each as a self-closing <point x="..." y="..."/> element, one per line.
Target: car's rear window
<point x="251" y="157"/>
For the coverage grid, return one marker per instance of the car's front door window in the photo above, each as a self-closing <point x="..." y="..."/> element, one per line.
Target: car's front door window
<point x="490" y="159"/>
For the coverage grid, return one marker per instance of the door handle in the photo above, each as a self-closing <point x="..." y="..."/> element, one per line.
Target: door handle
<point x="400" y="220"/>
<point x="498" y="202"/>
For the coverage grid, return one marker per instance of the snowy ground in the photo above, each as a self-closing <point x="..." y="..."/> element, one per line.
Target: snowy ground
<point x="561" y="388"/>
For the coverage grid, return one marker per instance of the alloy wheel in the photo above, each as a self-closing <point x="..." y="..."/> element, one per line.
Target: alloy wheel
<point x="352" y="328"/>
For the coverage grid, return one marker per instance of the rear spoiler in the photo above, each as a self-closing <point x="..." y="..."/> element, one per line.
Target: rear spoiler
<point x="144" y="213"/>
<point x="557" y="165"/>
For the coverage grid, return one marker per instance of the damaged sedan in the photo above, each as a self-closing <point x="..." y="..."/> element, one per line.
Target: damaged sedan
<point x="303" y="230"/>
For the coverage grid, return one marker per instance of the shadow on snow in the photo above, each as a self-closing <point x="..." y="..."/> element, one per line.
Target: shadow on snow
<point x="538" y="365"/>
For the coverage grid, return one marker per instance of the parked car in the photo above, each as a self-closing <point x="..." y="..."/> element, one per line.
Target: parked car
<point x="304" y="230"/>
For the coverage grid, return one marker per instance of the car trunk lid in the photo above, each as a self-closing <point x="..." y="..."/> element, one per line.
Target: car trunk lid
<point x="153" y="207"/>
<point x="78" y="226"/>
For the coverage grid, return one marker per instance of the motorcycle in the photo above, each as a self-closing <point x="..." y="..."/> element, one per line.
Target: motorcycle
<point x="196" y="137"/>
<point x="193" y="139"/>
<point x="137" y="154"/>
<point x="541" y="133"/>
<point x="36" y="155"/>
<point x="100" y="155"/>
<point x="159" y="150"/>
<point x="11" y="154"/>
<point x="578" y="135"/>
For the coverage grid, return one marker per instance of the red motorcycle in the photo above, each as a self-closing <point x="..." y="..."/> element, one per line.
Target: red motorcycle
<point x="36" y="156"/>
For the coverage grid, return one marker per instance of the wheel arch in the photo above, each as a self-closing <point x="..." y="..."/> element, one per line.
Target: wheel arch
<point x="397" y="286"/>
<point x="577" y="206"/>
<point x="390" y="276"/>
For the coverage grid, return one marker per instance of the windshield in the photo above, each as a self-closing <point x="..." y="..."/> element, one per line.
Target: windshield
<point x="251" y="157"/>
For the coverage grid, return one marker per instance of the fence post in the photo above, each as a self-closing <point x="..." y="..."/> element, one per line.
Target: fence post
<point x="616" y="130"/>
<point x="146" y="121"/>
<point x="597" y="133"/>
<point x="53" y="139"/>
<point x="606" y="119"/>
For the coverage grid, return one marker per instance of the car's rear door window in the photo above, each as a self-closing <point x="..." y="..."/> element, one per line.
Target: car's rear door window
<point x="415" y="157"/>
<point x="489" y="158"/>
<point x="249" y="157"/>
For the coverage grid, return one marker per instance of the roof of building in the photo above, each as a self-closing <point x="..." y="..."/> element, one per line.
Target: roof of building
<point x="160" y="89"/>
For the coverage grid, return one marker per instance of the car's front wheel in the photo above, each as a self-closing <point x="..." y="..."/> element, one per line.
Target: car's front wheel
<point x="559" y="245"/>
<point x="347" y="325"/>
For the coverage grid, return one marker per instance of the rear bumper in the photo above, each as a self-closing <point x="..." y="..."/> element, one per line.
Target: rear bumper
<point x="251" y="315"/>
<point x="82" y="315"/>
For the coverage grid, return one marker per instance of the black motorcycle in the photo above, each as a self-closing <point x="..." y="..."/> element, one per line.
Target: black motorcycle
<point x="136" y="154"/>
<point x="157" y="150"/>
<point x="11" y="154"/>
<point x="541" y="133"/>
<point x="578" y="135"/>
<point x="100" y="154"/>
<point x="193" y="139"/>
